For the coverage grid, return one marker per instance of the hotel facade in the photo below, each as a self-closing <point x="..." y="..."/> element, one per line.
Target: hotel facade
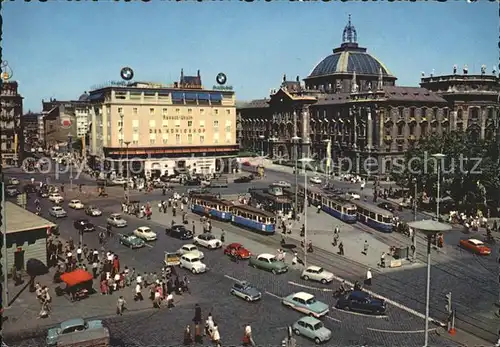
<point x="155" y="129"/>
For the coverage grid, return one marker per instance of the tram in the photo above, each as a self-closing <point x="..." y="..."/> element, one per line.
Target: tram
<point x="339" y="208"/>
<point x="314" y="194"/>
<point x="375" y="217"/>
<point x="253" y="218"/>
<point x="273" y="200"/>
<point x="211" y="206"/>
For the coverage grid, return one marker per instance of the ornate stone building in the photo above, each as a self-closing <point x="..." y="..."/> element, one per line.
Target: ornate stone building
<point x="350" y="100"/>
<point x="11" y="110"/>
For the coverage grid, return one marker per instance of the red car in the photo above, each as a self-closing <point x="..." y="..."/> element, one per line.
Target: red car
<point x="241" y="251"/>
<point x="475" y="246"/>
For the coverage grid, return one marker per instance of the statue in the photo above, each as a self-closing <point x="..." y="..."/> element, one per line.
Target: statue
<point x="455" y="67"/>
<point x="354" y="85"/>
<point x="338" y="87"/>
<point x="432" y="72"/>
<point x="494" y="71"/>
<point x="369" y="86"/>
<point x="422" y="74"/>
<point x="284" y="77"/>
<point x="483" y="69"/>
<point x="380" y="82"/>
<point x="466" y="69"/>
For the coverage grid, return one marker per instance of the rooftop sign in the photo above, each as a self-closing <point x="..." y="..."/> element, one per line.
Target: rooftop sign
<point x="223" y="88"/>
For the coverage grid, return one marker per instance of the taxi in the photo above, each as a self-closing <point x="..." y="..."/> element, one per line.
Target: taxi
<point x="475" y="246"/>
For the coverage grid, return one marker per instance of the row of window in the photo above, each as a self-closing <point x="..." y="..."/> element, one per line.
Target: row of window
<point x="152" y="124"/>
<point x="152" y="111"/>
<point x="178" y="140"/>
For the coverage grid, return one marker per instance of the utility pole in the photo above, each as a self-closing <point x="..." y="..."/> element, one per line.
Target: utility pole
<point x="70" y="148"/>
<point x="5" y="263"/>
<point x="449" y="310"/>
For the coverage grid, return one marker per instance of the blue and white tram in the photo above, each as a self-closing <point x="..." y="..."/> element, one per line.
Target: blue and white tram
<point x="253" y="218"/>
<point x="210" y="206"/>
<point x="339" y="208"/>
<point x="314" y="194"/>
<point x="375" y="217"/>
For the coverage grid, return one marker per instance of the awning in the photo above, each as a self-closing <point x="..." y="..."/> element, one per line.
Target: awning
<point x="190" y="96"/>
<point x="215" y="96"/>
<point x="177" y="96"/>
<point x="76" y="277"/>
<point x="203" y="96"/>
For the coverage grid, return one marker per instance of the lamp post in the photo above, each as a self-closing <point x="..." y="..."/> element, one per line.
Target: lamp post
<point x="262" y="137"/>
<point x="438" y="156"/>
<point x="127" y="143"/>
<point x="296" y="140"/>
<point x="328" y="158"/>
<point x="428" y="228"/>
<point x="304" y="162"/>
<point x="414" y="236"/>
<point x="70" y="148"/>
<point x="121" y="143"/>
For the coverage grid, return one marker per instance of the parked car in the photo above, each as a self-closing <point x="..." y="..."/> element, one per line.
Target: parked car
<point x="193" y="191"/>
<point x="119" y="181"/>
<point x="132" y="241"/>
<point x="241" y="252"/>
<point x="93" y="211"/>
<point x="192" y="262"/>
<point x="12" y="191"/>
<point x="192" y="182"/>
<point x="313" y="329"/>
<point x="359" y="301"/>
<point x="57" y="212"/>
<point x="316" y="273"/>
<point x="282" y="184"/>
<point x="56" y="198"/>
<point x="190" y="248"/>
<point x="84" y="225"/>
<point x="245" y="290"/>
<point x="268" y="262"/>
<point x="207" y="240"/>
<point x="14" y="181"/>
<point x="315" y="180"/>
<point x="475" y="246"/>
<point x="116" y="219"/>
<point x="69" y="327"/>
<point x="306" y="303"/>
<point x="76" y="204"/>
<point x="180" y="232"/>
<point x="145" y="233"/>
<point x="387" y="206"/>
<point x="244" y="179"/>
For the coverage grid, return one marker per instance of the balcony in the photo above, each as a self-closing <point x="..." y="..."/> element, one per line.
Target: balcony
<point x="388" y="138"/>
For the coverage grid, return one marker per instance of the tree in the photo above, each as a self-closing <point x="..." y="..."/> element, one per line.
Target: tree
<point x="470" y="170"/>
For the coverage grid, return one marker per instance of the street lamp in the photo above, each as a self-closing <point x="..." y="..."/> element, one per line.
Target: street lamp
<point x="305" y="161"/>
<point x="262" y="137"/>
<point x="121" y="143"/>
<point x="70" y="147"/>
<point x="296" y="140"/>
<point x="429" y="228"/>
<point x="438" y="156"/>
<point x="127" y="143"/>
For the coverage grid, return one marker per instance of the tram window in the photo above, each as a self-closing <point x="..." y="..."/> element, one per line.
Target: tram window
<point x="379" y="217"/>
<point x="351" y="211"/>
<point x="372" y="215"/>
<point x="387" y="220"/>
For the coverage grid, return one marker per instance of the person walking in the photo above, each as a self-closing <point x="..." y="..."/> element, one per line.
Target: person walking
<point x="368" y="280"/>
<point x="120" y="305"/>
<point x="365" y="248"/>
<point x="188" y="339"/>
<point x="247" y="337"/>
<point x="216" y="335"/>
<point x="341" y="248"/>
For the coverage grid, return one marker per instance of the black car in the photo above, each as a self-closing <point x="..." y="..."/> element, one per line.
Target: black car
<point x="192" y="182"/>
<point x="244" y="179"/>
<point x="387" y="206"/>
<point x="84" y="225"/>
<point x="359" y="301"/>
<point x="12" y="191"/>
<point x="30" y="188"/>
<point x="180" y="232"/>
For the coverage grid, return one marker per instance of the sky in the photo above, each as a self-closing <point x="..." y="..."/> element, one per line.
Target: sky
<point x="60" y="49"/>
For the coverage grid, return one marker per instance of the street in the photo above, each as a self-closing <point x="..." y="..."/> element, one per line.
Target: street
<point x="405" y="288"/>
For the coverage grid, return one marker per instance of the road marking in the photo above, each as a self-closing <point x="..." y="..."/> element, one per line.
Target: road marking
<point x="273" y="295"/>
<point x="361" y="314"/>
<point x="400" y="331"/>
<point x="393" y="303"/>
<point x="334" y="319"/>
<point x="232" y="278"/>
<point x="310" y="287"/>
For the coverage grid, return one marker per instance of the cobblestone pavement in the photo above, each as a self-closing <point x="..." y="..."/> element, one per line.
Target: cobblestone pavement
<point x="213" y="286"/>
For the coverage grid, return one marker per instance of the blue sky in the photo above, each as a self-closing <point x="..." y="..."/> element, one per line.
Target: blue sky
<point x="60" y="49"/>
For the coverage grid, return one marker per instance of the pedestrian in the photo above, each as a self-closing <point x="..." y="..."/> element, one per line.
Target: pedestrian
<point x="120" y="305"/>
<point x="365" y="248"/>
<point x="170" y="301"/>
<point x="138" y="294"/>
<point x="209" y="325"/>
<point x="294" y="259"/>
<point x="216" y="335"/>
<point x="382" y="260"/>
<point x="368" y="280"/>
<point x="247" y="337"/>
<point x="341" y="248"/>
<point x="194" y="229"/>
<point x="223" y="236"/>
<point x="197" y="314"/>
<point x="318" y="209"/>
<point x="335" y="239"/>
<point x="79" y="254"/>
<point x="188" y="340"/>
<point x="157" y="299"/>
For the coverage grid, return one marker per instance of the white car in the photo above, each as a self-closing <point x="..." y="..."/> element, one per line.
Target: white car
<point x="315" y="180"/>
<point x="57" y="212"/>
<point x="353" y="195"/>
<point x="119" y="180"/>
<point x="316" y="273"/>
<point x="190" y="248"/>
<point x="56" y="197"/>
<point x="76" y="204"/>
<point x="116" y="219"/>
<point x="145" y="233"/>
<point x="14" y="181"/>
<point x="207" y="240"/>
<point x="193" y="263"/>
<point x="282" y="184"/>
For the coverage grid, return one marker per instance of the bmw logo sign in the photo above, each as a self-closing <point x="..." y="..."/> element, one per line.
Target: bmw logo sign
<point x="127" y="73"/>
<point x="221" y="78"/>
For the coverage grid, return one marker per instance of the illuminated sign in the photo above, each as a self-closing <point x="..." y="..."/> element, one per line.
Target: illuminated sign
<point x="223" y="88"/>
<point x="179" y="117"/>
<point x="109" y="84"/>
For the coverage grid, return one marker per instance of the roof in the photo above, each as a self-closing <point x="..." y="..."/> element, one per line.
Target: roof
<point x="310" y="320"/>
<point x="258" y="103"/>
<point x="368" y="206"/>
<point x="418" y="94"/>
<point x="19" y="219"/>
<point x="72" y="322"/>
<point x="350" y="60"/>
<point x="314" y="268"/>
<point x="303" y="295"/>
<point x="266" y="255"/>
<point x="476" y="242"/>
<point x="429" y="225"/>
<point x="254" y="210"/>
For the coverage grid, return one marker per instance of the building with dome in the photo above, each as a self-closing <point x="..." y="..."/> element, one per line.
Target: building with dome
<point x="350" y="106"/>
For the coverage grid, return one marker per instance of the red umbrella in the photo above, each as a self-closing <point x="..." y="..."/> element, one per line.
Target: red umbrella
<point x="76" y="277"/>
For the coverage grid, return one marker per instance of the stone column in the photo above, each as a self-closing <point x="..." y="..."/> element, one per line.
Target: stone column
<point x="306" y="142"/>
<point x="354" y="120"/>
<point x="483" y="121"/>
<point x="381" y="124"/>
<point x="369" y="129"/>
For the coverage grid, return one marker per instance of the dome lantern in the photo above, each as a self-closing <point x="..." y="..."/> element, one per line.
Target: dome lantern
<point x="349" y="35"/>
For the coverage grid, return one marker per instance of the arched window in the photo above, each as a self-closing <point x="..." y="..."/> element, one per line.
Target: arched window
<point x="460" y="115"/>
<point x="474" y="114"/>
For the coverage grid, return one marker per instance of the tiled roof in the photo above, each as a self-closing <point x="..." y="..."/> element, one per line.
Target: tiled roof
<point x="258" y="103"/>
<point x="411" y="94"/>
<point x="331" y="99"/>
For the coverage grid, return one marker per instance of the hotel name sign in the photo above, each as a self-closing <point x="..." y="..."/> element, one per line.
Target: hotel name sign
<point x="223" y="88"/>
<point x="179" y="117"/>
